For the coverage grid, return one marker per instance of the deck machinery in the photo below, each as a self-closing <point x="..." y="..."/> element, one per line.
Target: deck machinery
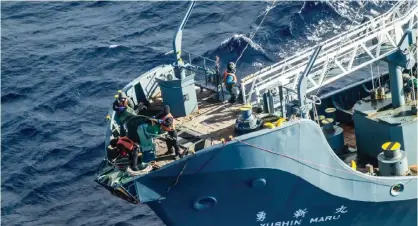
<point x="306" y="154"/>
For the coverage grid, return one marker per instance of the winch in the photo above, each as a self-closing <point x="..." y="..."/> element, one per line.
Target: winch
<point x="334" y="135"/>
<point x="246" y="122"/>
<point x="392" y="161"/>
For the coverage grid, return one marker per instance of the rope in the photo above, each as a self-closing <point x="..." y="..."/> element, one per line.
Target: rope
<point x="309" y="162"/>
<point x="252" y="36"/>
<point x="182" y="171"/>
<point x="199" y="113"/>
<point x="371" y="71"/>
<point x="316" y="113"/>
<point x="209" y="160"/>
<point x="416" y="69"/>
<point x="269" y="151"/>
<point x="378" y="74"/>
<point x="140" y="116"/>
<point x="316" y="101"/>
<point x="275" y="153"/>
<point x="175" y="182"/>
<point x="411" y="79"/>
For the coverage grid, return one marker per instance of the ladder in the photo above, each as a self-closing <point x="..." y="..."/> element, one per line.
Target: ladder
<point x="374" y="40"/>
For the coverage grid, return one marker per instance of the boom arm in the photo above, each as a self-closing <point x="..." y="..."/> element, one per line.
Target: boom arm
<point x="302" y="84"/>
<point x="179" y="35"/>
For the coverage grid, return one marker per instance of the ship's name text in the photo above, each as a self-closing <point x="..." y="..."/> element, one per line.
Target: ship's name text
<point x="299" y="222"/>
<point x="300" y="218"/>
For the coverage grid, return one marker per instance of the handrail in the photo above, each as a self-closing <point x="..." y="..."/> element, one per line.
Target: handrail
<point x="368" y="38"/>
<point x="307" y="52"/>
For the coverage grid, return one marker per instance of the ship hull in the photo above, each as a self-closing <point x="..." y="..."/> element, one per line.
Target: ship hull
<point x="277" y="204"/>
<point x="283" y="176"/>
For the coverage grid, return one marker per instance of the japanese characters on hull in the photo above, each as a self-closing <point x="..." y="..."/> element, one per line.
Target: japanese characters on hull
<point x="299" y="218"/>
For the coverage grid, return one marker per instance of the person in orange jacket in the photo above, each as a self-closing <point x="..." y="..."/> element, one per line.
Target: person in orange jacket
<point x="167" y="124"/>
<point x="230" y="80"/>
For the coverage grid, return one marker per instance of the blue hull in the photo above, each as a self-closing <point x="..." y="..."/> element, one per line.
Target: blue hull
<point x="292" y="174"/>
<point x="240" y="204"/>
<point x="283" y="176"/>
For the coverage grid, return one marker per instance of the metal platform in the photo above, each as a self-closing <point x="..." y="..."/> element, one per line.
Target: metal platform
<point x="297" y="151"/>
<point x="374" y="40"/>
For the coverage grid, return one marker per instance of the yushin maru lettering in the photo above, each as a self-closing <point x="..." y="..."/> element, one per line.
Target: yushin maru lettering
<point x="281" y="139"/>
<point x="301" y="213"/>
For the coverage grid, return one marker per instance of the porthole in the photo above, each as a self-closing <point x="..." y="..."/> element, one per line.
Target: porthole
<point x="396" y="189"/>
<point x="258" y="183"/>
<point x="204" y="203"/>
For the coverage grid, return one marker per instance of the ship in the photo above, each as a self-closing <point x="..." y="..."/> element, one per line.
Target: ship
<point x="294" y="150"/>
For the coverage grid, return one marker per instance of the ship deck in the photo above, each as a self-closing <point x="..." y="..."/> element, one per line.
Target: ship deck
<point x="349" y="135"/>
<point x="213" y="120"/>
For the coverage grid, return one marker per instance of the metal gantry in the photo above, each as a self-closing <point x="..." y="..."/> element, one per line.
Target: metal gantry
<point x="374" y="40"/>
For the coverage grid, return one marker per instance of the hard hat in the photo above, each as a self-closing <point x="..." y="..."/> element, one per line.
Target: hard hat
<point x="122" y="95"/>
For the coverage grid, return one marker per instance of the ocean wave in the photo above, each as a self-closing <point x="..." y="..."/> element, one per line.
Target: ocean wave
<point x="62" y="62"/>
<point x="238" y="43"/>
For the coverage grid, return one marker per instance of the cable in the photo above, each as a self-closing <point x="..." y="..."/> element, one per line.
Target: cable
<point x="371" y="71"/>
<point x="175" y="182"/>
<point x="251" y="37"/>
<point x="312" y="163"/>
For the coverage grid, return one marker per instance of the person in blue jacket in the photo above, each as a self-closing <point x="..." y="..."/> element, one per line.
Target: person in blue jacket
<point x="230" y="80"/>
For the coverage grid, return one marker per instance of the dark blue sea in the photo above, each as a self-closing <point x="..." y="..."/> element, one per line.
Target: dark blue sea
<point x="62" y="63"/>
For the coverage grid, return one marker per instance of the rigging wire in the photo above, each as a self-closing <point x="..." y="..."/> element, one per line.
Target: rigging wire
<point x="378" y="74"/>
<point x="414" y="92"/>
<point x="371" y="71"/>
<point x="411" y="79"/>
<point x="258" y="27"/>
<point x="416" y="71"/>
<point x="333" y="62"/>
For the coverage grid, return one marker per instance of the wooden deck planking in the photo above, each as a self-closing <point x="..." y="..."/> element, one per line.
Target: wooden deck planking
<point x="349" y="136"/>
<point x="212" y="118"/>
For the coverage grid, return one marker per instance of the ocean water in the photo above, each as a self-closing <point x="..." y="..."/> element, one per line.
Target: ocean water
<point x="62" y="62"/>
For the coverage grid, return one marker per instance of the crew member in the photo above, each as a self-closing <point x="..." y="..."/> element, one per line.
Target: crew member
<point x="230" y="80"/>
<point x="124" y="108"/>
<point x="167" y="124"/>
<point x="121" y="102"/>
<point x="127" y="147"/>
